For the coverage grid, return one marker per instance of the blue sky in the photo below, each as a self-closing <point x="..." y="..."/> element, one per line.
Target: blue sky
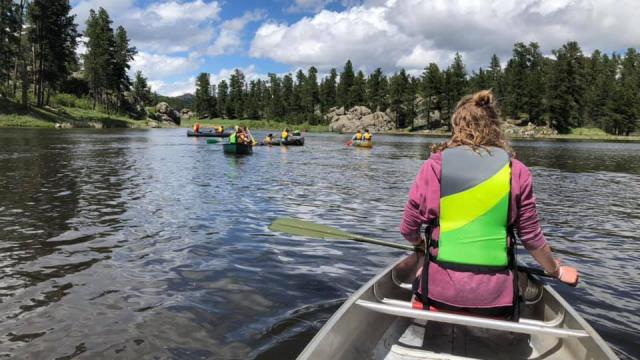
<point x="177" y="39"/>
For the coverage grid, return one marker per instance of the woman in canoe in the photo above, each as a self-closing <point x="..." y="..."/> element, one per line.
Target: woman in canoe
<point x="196" y="127"/>
<point x="367" y="135"/>
<point x="357" y="136"/>
<point x="474" y="196"/>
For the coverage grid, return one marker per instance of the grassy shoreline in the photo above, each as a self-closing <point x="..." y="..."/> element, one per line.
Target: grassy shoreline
<point x="15" y="116"/>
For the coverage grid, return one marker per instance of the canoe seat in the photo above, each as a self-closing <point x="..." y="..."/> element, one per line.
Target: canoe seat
<point x="524" y="326"/>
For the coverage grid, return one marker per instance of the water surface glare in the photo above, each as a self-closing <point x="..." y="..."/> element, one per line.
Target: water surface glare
<point x="123" y="244"/>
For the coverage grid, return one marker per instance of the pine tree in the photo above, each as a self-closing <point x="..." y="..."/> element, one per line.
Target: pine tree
<point x="98" y="59"/>
<point x="431" y="91"/>
<point x="566" y="88"/>
<point x="9" y="42"/>
<point x="277" y="106"/>
<point x="626" y="102"/>
<point x="298" y="94"/>
<point x="202" y="101"/>
<point x="480" y="80"/>
<point x="524" y="80"/>
<point x="123" y="55"/>
<point x="358" y="91"/>
<point x="311" y="96"/>
<point x="496" y="75"/>
<point x="288" y="98"/>
<point x="53" y="35"/>
<point x="141" y="91"/>
<point x="604" y="89"/>
<point x="454" y="87"/>
<point x="213" y="103"/>
<point x="236" y="100"/>
<point x="347" y="78"/>
<point x="253" y="99"/>
<point x="223" y="99"/>
<point x="376" y="89"/>
<point x="398" y="88"/>
<point x="328" y="95"/>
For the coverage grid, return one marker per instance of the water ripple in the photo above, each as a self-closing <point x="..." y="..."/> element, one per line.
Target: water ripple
<point x="151" y="244"/>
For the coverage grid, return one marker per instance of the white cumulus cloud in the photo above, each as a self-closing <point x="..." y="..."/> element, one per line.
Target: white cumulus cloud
<point x="175" y="88"/>
<point x="412" y="33"/>
<point x="229" y="39"/>
<point x="361" y="34"/>
<point x="159" y="65"/>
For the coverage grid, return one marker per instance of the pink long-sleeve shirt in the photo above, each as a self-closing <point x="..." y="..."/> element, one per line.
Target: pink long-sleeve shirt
<point x="467" y="289"/>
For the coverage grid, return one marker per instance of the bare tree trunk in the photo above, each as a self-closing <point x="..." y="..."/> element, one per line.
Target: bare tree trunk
<point x="34" y="71"/>
<point x="25" y="83"/>
<point x="20" y="58"/>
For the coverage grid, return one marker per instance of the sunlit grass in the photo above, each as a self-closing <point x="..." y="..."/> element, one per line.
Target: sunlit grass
<point x="14" y="115"/>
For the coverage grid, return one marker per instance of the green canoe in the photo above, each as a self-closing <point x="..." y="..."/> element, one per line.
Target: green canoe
<point x="240" y="149"/>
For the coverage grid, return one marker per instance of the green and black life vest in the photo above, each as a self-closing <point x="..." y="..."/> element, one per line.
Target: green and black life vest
<point x="233" y="138"/>
<point x="474" y="207"/>
<point x="475" y="189"/>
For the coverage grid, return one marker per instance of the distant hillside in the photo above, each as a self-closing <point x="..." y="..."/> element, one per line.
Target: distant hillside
<point x="178" y="102"/>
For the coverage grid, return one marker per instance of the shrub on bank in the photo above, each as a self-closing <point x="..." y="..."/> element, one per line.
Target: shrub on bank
<point x="68" y="100"/>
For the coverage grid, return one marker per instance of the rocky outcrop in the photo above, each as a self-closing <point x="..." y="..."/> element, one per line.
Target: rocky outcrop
<point x="529" y="131"/>
<point x="187" y="113"/>
<point x="358" y="118"/>
<point x="166" y="113"/>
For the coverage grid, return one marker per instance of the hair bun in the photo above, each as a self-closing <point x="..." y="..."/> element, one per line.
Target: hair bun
<point x="483" y="98"/>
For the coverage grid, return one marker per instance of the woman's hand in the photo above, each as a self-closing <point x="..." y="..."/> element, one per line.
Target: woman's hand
<point x="567" y="274"/>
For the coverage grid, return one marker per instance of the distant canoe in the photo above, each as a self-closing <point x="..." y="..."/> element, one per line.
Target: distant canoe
<point x="240" y="149"/>
<point x="363" y="144"/>
<point x="207" y="133"/>
<point x="295" y="141"/>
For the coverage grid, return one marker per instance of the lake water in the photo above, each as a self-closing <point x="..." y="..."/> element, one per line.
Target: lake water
<point x="123" y="244"/>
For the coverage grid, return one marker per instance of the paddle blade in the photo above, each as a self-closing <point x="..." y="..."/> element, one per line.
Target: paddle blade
<point x="212" y="141"/>
<point x="309" y="229"/>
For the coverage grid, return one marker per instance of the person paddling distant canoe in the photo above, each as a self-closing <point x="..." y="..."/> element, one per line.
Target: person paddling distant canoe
<point x="196" y="127"/>
<point x="367" y="135"/>
<point x="220" y="129"/>
<point x="357" y="136"/>
<point x="474" y="196"/>
<point x="268" y="139"/>
<point x="285" y="134"/>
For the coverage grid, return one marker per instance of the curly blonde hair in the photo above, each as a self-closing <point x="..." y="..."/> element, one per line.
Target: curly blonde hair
<point x="476" y="123"/>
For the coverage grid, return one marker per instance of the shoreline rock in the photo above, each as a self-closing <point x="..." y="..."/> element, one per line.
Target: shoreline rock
<point x="358" y="118"/>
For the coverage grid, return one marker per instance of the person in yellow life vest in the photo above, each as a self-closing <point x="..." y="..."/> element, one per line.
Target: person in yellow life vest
<point x="268" y="140"/>
<point x="285" y="134"/>
<point x="367" y="135"/>
<point x="357" y="136"/>
<point x="196" y="127"/>
<point x="220" y="129"/>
